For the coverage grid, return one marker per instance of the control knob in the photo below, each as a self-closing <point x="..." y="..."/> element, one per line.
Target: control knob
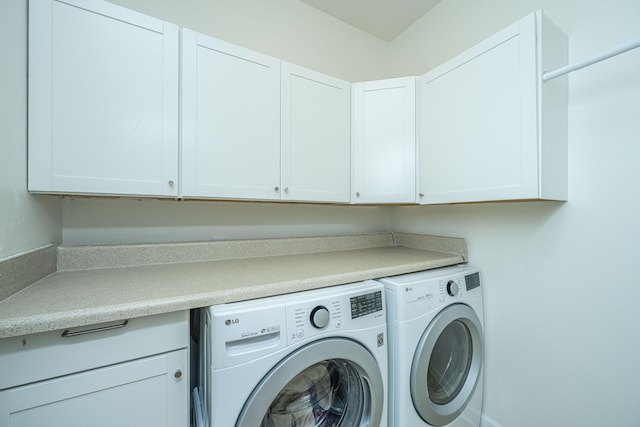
<point x="452" y="288"/>
<point x="319" y="317"/>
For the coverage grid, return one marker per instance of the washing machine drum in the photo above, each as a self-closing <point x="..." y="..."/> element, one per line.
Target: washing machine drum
<point x="447" y="365"/>
<point x="329" y="383"/>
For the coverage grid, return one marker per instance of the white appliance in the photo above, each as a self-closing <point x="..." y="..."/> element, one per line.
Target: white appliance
<point x="315" y="358"/>
<point x="436" y="341"/>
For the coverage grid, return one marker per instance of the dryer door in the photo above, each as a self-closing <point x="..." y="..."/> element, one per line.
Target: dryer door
<point x="447" y="364"/>
<point x="330" y="382"/>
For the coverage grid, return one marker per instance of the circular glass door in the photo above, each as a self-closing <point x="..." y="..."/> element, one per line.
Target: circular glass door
<point x="447" y="365"/>
<point x="318" y="386"/>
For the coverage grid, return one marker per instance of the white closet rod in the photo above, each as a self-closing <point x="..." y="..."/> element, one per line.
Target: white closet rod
<point x="632" y="44"/>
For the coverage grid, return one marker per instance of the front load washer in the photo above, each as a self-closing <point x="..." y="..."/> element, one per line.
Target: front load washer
<point x="435" y="321"/>
<point x="314" y="358"/>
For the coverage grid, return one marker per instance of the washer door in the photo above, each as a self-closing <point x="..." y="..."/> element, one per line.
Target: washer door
<point x="330" y="382"/>
<point x="447" y="364"/>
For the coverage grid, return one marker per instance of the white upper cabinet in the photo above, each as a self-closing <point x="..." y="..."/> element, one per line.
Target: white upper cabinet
<point x="103" y="100"/>
<point x="230" y="120"/>
<point x="257" y="128"/>
<point x="384" y="141"/>
<point x="316" y="136"/>
<point x="488" y="127"/>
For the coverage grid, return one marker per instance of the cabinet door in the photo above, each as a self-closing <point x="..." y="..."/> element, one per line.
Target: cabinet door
<point x="103" y="100"/>
<point x="315" y="136"/>
<point x="149" y="392"/>
<point x="231" y="120"/>
<point x="477" y="122"/>
<point x="384" y="143"/>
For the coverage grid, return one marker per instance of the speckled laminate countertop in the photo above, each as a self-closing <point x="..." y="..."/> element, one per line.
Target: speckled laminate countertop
<point x="119" y="282"/>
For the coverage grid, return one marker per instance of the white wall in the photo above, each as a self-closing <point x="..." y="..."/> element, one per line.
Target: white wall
<point x="560" y="281"/>
<point x="287" y="29"/>
<point x="90" y="221"/>
<point x="26" y="221"/>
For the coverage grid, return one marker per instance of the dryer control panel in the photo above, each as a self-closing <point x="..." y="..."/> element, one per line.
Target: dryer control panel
<point x="416" y="294"/>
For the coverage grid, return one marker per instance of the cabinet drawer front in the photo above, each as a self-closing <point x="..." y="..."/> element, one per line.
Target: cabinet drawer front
<point x="139" y="393"/>
<point x="47" y="355"/>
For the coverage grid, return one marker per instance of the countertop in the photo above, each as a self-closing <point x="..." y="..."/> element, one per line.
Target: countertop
<point x="97" y="284"/>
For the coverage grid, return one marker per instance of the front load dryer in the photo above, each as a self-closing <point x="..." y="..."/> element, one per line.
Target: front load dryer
<point x="314" y="358"/>
<point x="435" y="321"/>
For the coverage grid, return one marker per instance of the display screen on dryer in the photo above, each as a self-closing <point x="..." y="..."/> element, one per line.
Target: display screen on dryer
<point x="362" y="305"/>
<point x="472" y="281"/>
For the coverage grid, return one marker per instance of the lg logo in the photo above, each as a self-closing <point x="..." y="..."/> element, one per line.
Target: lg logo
<point x="231" y="321"/>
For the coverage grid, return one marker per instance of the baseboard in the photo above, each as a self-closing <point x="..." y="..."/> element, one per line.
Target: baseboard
<point x="485" y="421"/>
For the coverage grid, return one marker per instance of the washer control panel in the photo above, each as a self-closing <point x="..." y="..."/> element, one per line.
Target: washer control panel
<point x="320" y="317"/>
<point x="452" y="288"/>
<point x="306" y="319"/>
<point x="361" y="305"/>
<point x="244" y="331"/>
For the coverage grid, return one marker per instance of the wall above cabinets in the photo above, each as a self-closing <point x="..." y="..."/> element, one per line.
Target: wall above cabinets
<point x="121" y="104"/>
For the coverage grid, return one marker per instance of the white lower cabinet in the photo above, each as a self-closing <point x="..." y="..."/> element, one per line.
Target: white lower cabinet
<point x="104" y="375"/>
<point x="143" y="392"/>
<point x="488" y="127"/>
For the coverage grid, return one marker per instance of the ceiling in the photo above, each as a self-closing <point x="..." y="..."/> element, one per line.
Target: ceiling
<point x="384" y="19"/>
